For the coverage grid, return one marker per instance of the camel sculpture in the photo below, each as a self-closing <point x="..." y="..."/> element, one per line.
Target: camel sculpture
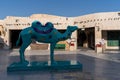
<point x="45" y="34"/>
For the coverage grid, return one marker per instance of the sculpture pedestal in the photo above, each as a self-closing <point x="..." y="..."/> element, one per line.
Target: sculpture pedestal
<point x="45" y="66"/>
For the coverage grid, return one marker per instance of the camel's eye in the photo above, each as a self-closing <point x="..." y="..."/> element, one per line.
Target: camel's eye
<point x="68" y="34"/>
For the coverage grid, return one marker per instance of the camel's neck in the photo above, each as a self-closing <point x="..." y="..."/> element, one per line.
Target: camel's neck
<point x="65" y="35"/>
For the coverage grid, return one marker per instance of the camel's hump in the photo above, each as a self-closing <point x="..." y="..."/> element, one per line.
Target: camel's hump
<point x="42" y="29"/>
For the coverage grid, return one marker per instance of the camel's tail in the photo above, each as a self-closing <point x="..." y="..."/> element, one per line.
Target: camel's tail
<point x="18" y="41"/>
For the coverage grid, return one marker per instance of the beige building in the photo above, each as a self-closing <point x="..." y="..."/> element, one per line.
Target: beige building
<point x="95" y="30"/>
<point x="97" y="27"/>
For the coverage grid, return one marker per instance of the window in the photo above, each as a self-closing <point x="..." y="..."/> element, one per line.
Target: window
<point x="28" y="24"/>
<point x="113" y="38"/>
<point x="17" y="20"/>
<point x="0" y="33"/>
<point x="108" y="18"/>
<point x="97" y="19"/>
<point x="75" y="22"/>
<point x="81" y="22"/>
<point x="105" y="19"/>
<point x="118" y="14"/>
<point x="66" y="18"/>
<point x="114" y="18"/>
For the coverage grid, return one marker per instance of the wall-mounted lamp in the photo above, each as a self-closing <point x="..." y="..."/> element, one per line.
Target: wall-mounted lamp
<point x="83" y="28"/>
<point x="98" y="28"/>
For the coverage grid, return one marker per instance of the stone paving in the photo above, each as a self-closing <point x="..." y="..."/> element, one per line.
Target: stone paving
<point x="104" y="66"/>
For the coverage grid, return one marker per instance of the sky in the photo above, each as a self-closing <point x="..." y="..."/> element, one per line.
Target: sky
<point x="67" y="8"/>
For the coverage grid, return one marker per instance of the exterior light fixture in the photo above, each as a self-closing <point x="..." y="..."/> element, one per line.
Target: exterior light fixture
<point x="83" y="28"/>
<point x="98" y="28"/>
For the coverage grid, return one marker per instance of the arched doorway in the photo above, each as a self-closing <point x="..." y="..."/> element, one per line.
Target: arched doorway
<point x="81" y="37"/>
<point x="86" y="38"/>
<point x="14" y="34"/>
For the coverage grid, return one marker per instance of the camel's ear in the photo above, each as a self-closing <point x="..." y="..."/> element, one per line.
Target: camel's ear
<point x="68" y="27"/>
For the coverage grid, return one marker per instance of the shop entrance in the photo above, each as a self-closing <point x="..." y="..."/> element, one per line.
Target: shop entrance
<point x="14" y="34"/>
<point x="81" y="35"/>
<point x="86" y="38"/>
<point x="113" y="39"/>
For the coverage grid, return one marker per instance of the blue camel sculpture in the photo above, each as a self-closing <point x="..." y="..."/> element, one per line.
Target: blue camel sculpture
<point x="45" y="34"/>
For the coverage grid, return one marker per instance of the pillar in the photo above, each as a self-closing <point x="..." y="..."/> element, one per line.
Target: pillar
<point x="73" y="44"/>
<point x="98" y="37"/>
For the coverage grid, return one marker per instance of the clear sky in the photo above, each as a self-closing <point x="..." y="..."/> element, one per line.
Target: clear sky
<point x="67" y="8"/>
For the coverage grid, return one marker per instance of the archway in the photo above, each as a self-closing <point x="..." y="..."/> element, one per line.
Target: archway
<point x="14" y="34"/>
<point x="86" y="38"/>
<point x="81" y="38"/>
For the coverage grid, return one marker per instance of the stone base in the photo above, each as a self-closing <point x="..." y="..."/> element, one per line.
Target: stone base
<point x="99" y="50"/>
<point x="45" y="66"/>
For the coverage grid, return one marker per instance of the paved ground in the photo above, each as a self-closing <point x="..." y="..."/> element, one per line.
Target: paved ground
<point x="95" y="66"/>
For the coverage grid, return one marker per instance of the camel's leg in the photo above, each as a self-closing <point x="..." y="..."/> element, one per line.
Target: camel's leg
<point x="26" y="42"/>
<point x="52" y="46"/>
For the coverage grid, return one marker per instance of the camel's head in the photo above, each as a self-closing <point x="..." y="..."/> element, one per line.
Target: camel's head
<point x="72" y="28"/>
<point x="36" y="24"/>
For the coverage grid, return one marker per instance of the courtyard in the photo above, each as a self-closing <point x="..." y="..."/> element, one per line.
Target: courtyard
<point x="104" y="66"/>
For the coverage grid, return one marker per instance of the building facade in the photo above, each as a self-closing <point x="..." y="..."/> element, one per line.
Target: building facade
<point x="98" y="31"/>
